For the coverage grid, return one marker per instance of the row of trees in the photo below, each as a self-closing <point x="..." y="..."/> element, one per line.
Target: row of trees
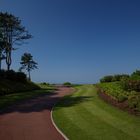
<point x="12" y="33"/>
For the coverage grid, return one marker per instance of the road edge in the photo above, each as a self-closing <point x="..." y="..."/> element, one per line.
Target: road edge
<point x="59" y="131"/>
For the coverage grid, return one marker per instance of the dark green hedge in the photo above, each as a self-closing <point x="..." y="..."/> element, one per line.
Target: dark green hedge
<point x="12" y="75"/>
<point x="113" y="78"/>
<point x="13" y="82"/>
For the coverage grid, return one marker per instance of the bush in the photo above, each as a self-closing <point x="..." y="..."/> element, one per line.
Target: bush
<point x="131" y="85"/>
<point x="9" y="87"/>
<point x="119" y="77"/>
<point x="122" y="97"/>
<point x="105" y="79"/>
<point x="2" y="74"/>
<point x="134" y="101"/>
<point x="114" y="78"/>
<point x="44" y="83"/>
<point x="12" y="82"/>
<point x="13" y="76"/>
<point x="114" y="90"/>
<point x="135" y="75"/>
<point x="21" y="77"/>
<point x="68" y="84"/>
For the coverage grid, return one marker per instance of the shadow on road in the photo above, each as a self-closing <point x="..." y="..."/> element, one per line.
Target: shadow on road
<point x="46" y="102"/>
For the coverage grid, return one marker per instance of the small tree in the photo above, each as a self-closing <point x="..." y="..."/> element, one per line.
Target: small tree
<point x="28" y="63"/>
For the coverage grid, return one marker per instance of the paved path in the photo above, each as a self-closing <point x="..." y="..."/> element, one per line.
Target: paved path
<point x="31" y="119"/>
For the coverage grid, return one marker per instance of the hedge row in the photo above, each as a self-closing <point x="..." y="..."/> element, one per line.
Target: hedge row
<point x="13" y="76"/>
<point x="116" y="91"/>
<point x="113" y="78"/>
<point x="13" y="82"/>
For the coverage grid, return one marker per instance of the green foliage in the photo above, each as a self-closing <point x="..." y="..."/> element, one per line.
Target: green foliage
<point x="11" y="32"/>
<point x="11" y="99"/>
<point x="93" y="119"/>
<point x="119" y="77"/>
<point x="122" y="97"/>
<point x="136" y="75"/>
<point x="127" y="89"/>
<point x="131" y="85"/>
<point x="108" y="78"/>
<point x="28" y="63"/>
<point x="13" y="76"/>
<point x="44" y="83"/>
<point x="68" y="84"/>
<point x="134" y="100"/>
<point x="11" y="82"/>
<point x="9" y="87"/>
<point x="21" y="77"/>
<point x="113" y="78"/>
<point x="115" y="90"/>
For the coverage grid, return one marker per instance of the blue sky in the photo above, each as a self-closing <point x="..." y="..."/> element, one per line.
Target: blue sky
<point x="79" y="40"/>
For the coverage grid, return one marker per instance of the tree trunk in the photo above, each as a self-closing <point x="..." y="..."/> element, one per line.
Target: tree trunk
<point x="0" y="64"/>
<point x="29" y="75"/>
<point x="8" y="67"/>
<point x="8" y="60"/>
<point x="0" y="59"/>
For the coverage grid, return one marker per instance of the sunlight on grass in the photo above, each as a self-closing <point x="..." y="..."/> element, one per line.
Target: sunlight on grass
<point x="84" y="115"/>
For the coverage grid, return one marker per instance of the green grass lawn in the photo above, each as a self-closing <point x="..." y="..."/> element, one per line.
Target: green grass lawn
<point x="84" y="116"/>
<point x="10" y="99"/>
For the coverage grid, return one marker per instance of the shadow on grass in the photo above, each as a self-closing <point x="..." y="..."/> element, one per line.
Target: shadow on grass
<point x="70" y="100"/>
<point x="43" y="101"/>
<point x="25" y="102"/>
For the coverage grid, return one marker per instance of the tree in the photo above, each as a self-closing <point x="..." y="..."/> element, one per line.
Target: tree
<point x="28" y="63"/>
<point x="12" y="33"/>
<point x="2" y="56"/>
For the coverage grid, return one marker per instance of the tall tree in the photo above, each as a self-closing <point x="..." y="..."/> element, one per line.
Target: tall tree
<point x="28" y="63"/>
<point x="2" y="56"/>
<point x="13" y="33"/>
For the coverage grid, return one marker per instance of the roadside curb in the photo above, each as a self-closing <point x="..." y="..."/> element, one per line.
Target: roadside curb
<point x="59" y="131"/>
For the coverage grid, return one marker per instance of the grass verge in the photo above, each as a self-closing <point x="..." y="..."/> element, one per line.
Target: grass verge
<point x="11" y="99"/>
<point x="83" y="115"/>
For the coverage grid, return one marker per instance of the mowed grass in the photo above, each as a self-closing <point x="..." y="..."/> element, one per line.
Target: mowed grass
<point x="84" y="116"/>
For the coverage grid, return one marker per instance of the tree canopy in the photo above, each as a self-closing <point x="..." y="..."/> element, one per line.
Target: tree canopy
<point x="11" y="32"/>
<point x="28" y="63"/>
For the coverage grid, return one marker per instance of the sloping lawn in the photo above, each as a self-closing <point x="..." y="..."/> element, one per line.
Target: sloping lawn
<point x="84" y="116"/>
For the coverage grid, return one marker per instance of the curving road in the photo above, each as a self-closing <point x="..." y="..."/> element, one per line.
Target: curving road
<point x="31" y="119"/>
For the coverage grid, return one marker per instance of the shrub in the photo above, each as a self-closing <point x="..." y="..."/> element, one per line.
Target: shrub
<point x="13" y="76"/>
<point x="10" y="75"/>
<point x="135" y="75"/>
<point x="134" y="101"/>
<point x="114" y="78"/>
<point x="12" y="82"/>
<point x="119" y="77"/>
<point x="122" y="97"/>
<point x="131" y="85"/>
<point x="44" y="83"/>
<point x="21" y="77"/>
<point x="68" y="84"/>
<point x="108" y="78"/>
<point x="9" y="87"/>
<point x="2" y="74"/>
